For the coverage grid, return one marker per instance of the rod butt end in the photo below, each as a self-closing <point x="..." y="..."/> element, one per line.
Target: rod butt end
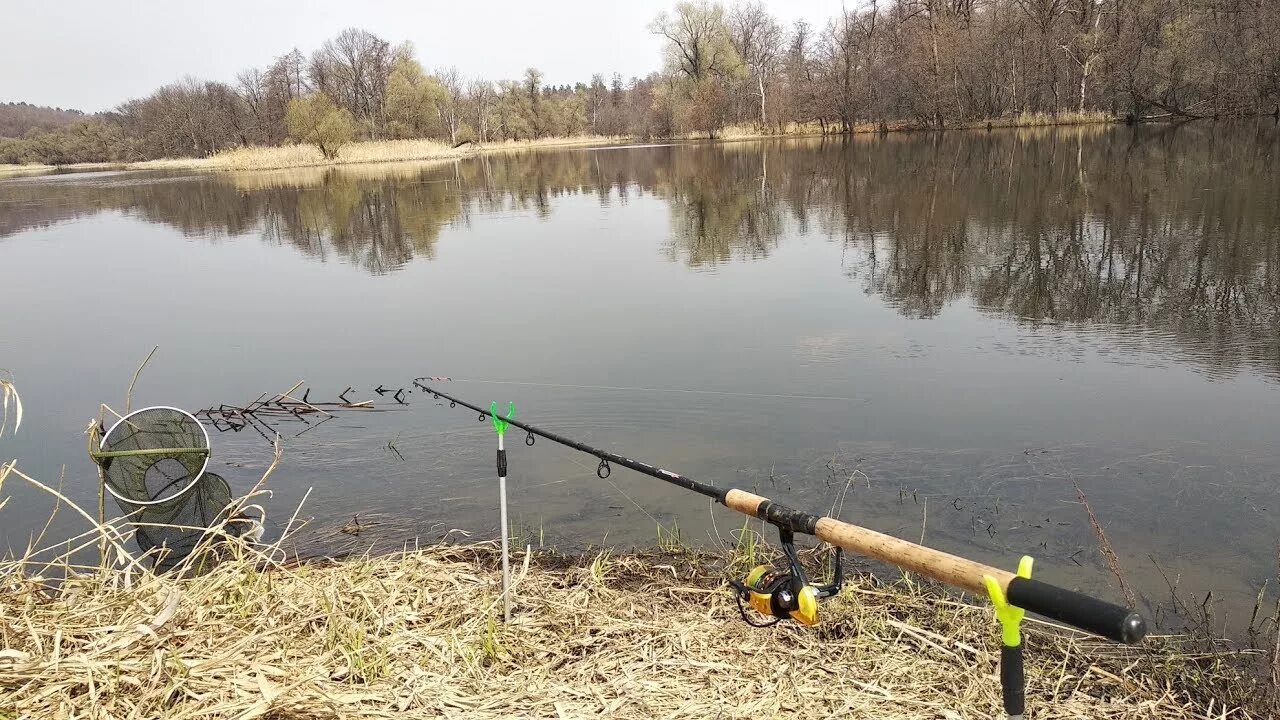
<point x="1132" y="629"/>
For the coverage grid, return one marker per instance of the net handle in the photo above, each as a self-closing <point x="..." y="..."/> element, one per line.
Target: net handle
<point x="147" y="503"/>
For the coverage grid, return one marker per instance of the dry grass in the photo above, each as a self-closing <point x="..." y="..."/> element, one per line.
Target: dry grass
<point x="753" y="132"/>
<point x="6" y="169"/>
<point x="375" y="151"/>
<point x="416" y="634"/>
<point x="1021" y="120"/>
<point x="579" y="141"/>
<point x="1047" y="120"/>
<point x="408" y="170"/>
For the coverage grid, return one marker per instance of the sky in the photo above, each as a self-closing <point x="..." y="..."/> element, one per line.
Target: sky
<point x="94" y="54"/>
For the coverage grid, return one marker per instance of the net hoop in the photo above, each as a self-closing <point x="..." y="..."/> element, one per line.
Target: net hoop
<point x="177" y="494"/>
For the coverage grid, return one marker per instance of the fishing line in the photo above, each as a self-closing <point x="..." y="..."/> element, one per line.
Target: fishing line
<point x="723" y="393"/>
<point x="587" y="469"/>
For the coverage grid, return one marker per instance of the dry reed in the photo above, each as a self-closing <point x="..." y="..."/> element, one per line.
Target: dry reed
<point x="372" y="151"/>
<point x="408" y="170"/>
<point x="416" y="634"/>
<point x="7" y="169"/>
<point x="1020" y="120"/>
<point x="1025" y="119"/>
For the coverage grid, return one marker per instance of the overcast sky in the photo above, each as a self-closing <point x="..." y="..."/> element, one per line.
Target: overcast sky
<point x="94" y="54"/>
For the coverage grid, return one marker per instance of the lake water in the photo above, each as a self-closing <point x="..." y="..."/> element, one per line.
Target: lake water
<point x="954" y="329"/>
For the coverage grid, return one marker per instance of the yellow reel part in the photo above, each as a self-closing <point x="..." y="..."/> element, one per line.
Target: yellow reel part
<point x="807" y="611"/>
<point x="760" y="602"/>
<point x="807" y="614"/>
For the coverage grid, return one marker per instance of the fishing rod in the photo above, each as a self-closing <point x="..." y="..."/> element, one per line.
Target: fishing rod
<point x="777" y="594"/>
<point x="788" y="593"/>
<point x="1017" y="590"/>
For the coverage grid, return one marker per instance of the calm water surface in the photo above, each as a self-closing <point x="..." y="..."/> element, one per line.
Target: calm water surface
<point x="956" y="329"/>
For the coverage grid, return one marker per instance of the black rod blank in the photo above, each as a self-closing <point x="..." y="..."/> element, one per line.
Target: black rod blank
<point x="674" y="478"/>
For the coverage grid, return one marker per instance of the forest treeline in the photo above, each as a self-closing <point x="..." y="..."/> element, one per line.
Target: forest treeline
<point x="19" y="118"/>
<point x="927" y="63"/>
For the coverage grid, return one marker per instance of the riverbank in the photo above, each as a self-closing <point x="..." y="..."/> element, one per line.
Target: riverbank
<point x="286" y="157"/>
<point x="1021" y="120"/>
<point x="388" y="151"/>
<point x="366" y="152"/>
<point x="418" y="634"/>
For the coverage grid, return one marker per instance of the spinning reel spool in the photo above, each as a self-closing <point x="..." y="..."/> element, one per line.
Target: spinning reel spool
<point x="786" y="593"/>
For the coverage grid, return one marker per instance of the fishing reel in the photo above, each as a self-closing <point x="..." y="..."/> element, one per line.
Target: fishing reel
<point x="783" y="594"/>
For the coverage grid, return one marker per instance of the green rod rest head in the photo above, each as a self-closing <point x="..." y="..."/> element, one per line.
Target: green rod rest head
<point x="499" y="424"/>
<point x="1009" y="616"/>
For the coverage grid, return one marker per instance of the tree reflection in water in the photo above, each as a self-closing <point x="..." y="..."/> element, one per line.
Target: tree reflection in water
<point x="1168" y="229"/>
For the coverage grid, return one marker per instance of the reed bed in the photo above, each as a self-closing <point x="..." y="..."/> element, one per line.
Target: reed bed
<point x="254" y="180"/>
<point x="1019" y="120"/>
<point x="417" y="634"/>
<point x="1026" y="119"/>
<point x="371" y="151"/>
<point x="8" y="169"/>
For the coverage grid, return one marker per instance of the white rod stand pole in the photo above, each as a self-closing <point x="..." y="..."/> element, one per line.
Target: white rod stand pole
<point x="506" y="543"/>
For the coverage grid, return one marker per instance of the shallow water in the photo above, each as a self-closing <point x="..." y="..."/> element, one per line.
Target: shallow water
<point x="944" y="330"/>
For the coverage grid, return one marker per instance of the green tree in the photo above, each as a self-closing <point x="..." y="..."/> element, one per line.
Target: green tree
<point x="413" y="100"/>
<point x="698" y="45"/>
<point x="315" y="120"/>
<point x="512" y="112"/>
<point x="701" y="55"/>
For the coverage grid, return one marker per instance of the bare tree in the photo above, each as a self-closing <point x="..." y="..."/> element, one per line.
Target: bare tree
<point x="533" y="89"/>
<point x="596" y="95"/>
<point x="1087" y="44"/>
<point x="451" y="101"/>
<point x="353" y="69"/>
<point x="1043" y="15"/>
<point x="229" y="111"/>
<point x="288" y="75"/>
<point x="757" y="37"/>
<point x="253" y="87"/>
<point x="480" y="92"/>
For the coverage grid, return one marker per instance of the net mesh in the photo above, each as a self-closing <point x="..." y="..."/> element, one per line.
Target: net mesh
<point x="171" y="531"/>
<point x="153" y="463"/>
<point x="153" y="455"/>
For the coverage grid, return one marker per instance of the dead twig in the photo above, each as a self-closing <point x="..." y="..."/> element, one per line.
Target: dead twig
<point x="1104" y="545"/>
<point x="128" y="397"/>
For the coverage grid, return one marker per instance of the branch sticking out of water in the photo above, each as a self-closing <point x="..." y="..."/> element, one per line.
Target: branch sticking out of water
<point x="128" y="397"/>
<point x="1104" y="545"/>
<point x="9" y="391"/>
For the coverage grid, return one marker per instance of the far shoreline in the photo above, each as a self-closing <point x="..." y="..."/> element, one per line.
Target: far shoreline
<point x="372" y="152"/>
